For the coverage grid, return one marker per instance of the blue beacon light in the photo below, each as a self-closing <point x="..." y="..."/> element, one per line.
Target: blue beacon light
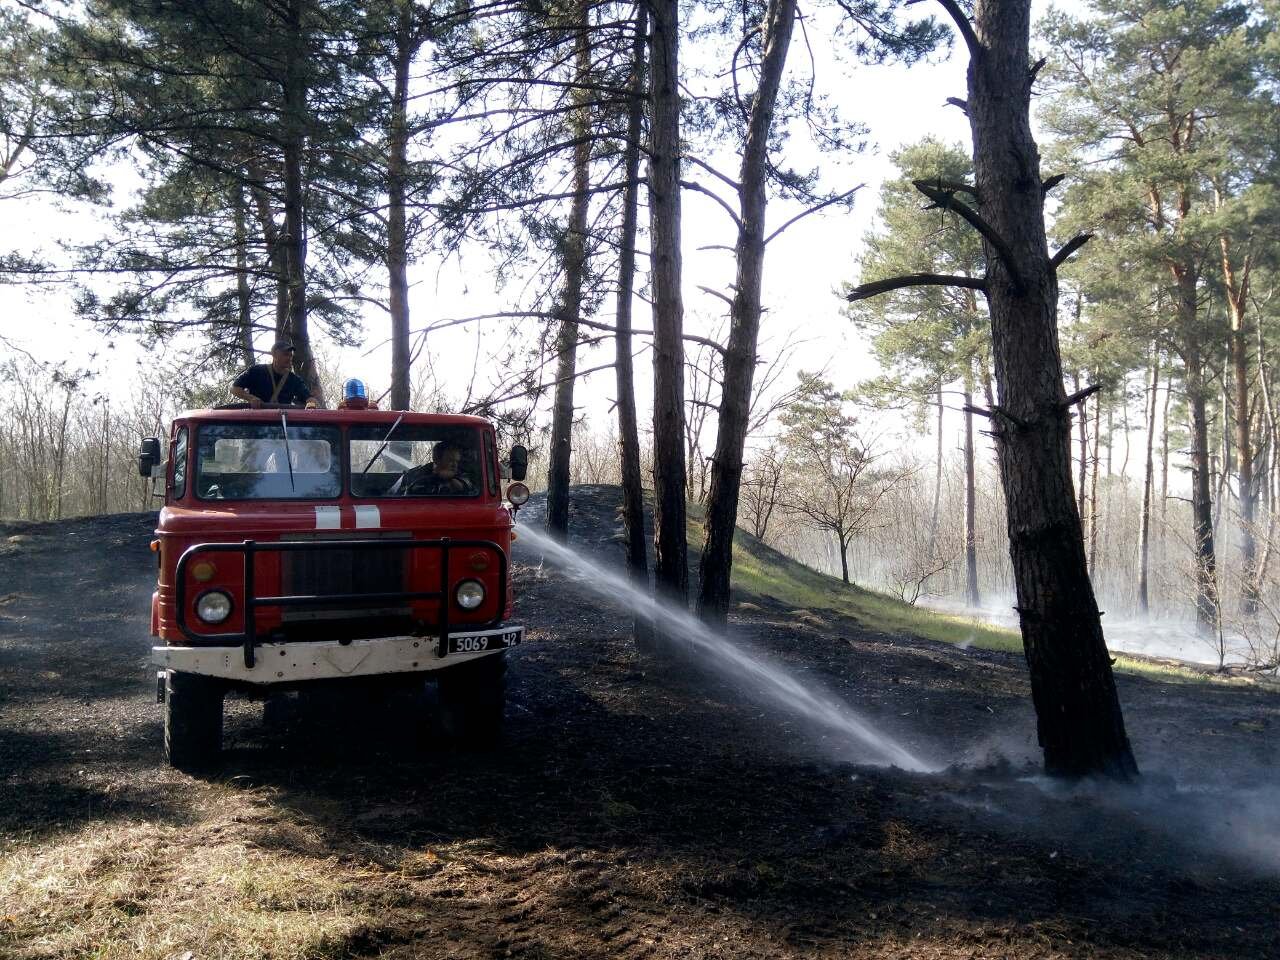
<point x="354" y="390"/>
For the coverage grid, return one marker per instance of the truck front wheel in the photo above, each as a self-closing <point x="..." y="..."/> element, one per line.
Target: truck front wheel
<point x="192" y="720"/>
<point x="472" y="700"/>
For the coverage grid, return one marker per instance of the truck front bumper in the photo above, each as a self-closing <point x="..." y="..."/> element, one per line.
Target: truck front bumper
<point x="330" y="659"/>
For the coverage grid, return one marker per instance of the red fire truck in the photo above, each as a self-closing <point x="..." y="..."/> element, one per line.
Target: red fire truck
<point x="300" y="548"/>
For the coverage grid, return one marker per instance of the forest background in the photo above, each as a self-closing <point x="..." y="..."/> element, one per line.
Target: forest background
<point x="436" y="198"/>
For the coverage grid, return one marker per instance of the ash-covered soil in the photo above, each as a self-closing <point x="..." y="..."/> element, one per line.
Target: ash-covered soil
<point x="635" y="809"/>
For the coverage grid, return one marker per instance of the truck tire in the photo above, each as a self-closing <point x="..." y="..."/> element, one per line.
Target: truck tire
<point x="472" y="699"/>
<point x="192" y="720"/>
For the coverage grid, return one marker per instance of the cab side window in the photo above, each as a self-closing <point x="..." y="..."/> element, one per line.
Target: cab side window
<point x="491" y="462"/>
<point x="180" y="464"/>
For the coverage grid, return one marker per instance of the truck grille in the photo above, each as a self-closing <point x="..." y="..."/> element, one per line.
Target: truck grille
<point x="335" y="571"/>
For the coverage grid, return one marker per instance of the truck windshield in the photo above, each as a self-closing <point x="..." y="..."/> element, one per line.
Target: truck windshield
<point x="246" y="461"/>
<point x="418" y="460"/>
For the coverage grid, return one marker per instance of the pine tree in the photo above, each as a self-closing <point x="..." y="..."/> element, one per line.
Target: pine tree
<point x="1162" y="103"/>
<point x="928" y="336"/>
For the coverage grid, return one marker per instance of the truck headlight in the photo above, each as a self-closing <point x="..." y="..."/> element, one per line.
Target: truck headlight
<point x="469" y="594"/>
<point x="518" y="494"/>
<point x="213" y="606"/>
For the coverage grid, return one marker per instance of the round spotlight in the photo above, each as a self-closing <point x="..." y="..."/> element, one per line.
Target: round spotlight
<point x="518" y="494"/>
<point x="469" y="594"/>
<point x="213" y="606"/>
<point x="203" y="571"/>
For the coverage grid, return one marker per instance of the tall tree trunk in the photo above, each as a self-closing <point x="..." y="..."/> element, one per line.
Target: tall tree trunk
<point x="1164" y="451"/>
<point x="740" y="357"/>
<point x="1220" y="470"/>
<point x="1201" y="497"/>
<point x="937" y="479"/>
<point x="1082" y="488"/>
<point x="1237" y="288"/>
<point x="632" y="481"/>
<point x="1081" y="728"/>
<point x="243" y="306"/>
<point x="671" y="562"/>
<point x="274" y="243"/>
<point x="1148" y="481"/>
<point x="295" y="239"/>
<point x="1272" y="455"/>
<point x="574" y="257"/>
<point x="1111" y="432"/>
<point x="1093" y="485"/>
<point x="1186" y="277"/>
<point x="397" y="233"/>
<point x="628" y="431"/>
<point x="972" y="596"/>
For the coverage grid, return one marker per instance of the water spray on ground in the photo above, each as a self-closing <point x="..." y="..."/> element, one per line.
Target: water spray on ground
<point x="719" y="653"/>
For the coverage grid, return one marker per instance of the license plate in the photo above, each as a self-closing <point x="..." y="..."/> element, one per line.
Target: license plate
<point x="480" y="642"/>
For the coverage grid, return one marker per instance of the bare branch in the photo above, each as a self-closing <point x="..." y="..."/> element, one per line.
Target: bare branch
<point x="864" y="291"/>
<point x="1080" y="396"/>
<point x="953" y="186"/>
<point x="958" y="102"/>
<point x="699" y="188"/>
<point x="948" y="200"/>
<point x="964" y="25"/>
<point x="1074" y="244"/>
<point x="1035" y="70"/>
<point x="717" y="293"/>
<point x="732" y="184"/>
<point x="814" y="209"/>
<point x="1051" y="182"/>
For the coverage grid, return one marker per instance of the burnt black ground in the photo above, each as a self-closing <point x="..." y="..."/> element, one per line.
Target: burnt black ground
<point x="656" y="811"/>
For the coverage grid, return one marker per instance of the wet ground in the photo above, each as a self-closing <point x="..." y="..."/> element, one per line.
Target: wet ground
<point x="635" y="809"/>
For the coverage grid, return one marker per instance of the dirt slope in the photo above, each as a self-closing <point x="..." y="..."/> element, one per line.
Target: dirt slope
<point x="634" y="811"/>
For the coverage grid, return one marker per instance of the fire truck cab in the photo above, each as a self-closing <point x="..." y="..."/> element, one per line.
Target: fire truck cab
<point x="300" y="548"/>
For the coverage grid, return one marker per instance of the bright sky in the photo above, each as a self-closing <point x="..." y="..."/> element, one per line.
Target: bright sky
<point x="805" y="264"/>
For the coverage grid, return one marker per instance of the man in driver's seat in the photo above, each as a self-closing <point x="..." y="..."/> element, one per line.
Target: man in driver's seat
<point x="441" y="477"/>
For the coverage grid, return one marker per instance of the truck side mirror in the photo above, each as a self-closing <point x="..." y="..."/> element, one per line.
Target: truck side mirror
<point x="148" y="455"/>
<point x="519" y="462"/>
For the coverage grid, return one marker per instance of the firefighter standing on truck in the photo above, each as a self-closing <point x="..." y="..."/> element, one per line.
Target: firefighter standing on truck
<point x="273" y="382"/>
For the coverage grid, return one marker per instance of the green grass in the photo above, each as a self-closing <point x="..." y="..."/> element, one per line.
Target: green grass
<point x="760" y="571"/>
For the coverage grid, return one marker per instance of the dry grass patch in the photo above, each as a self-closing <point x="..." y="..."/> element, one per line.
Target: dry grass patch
<point x="247" y="882"/>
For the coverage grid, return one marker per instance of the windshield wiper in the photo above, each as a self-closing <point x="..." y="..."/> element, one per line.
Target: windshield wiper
<point x="385" y="440"/>
<point x="284" y="429"/>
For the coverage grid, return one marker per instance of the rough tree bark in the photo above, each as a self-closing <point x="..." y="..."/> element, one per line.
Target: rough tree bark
<point x="972" y="595"/>
<point x="574" y="257"/>
<point x="274" y="242"/>
<point x="243" y="304"/>
<point x="740" y="356"/>
<point x="1201" y="496"/>
<point x="1164" y="455"/>
<point x="937" y="478"/>
<point x="1197" y="390"/>
<point x="397" y="233"/>
<point x="1236" y="282"/>
<point x="1093" y="486"/>
<point x="1080" y="724"/>
<point x="294" y="240"/>
<point x="671" y="562"/>
<point x="1148" y="484"/>
<point x="628" y="431"/>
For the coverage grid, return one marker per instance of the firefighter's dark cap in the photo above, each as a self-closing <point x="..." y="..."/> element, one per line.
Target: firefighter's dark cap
<point x="282" y="343"/>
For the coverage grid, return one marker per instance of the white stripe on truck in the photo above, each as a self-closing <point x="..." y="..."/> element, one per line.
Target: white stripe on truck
<point x="328" y="518"/>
